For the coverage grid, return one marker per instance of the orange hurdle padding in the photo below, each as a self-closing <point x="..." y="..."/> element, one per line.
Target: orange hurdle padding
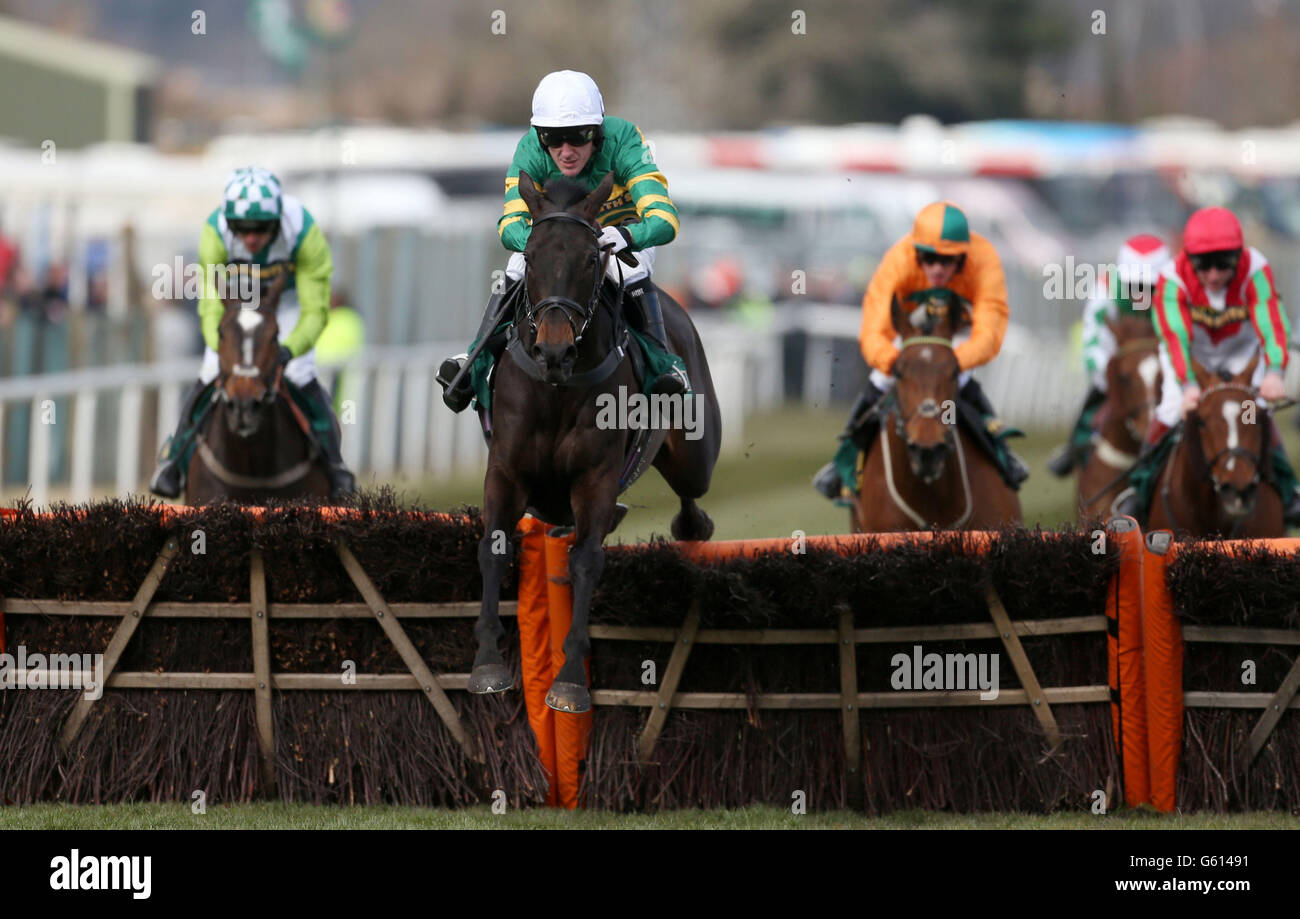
<point x="535" y="645"/>
<point x="571" y="731"/>
<point x="1126" y="676"/>
<point x="1162" y="652"/>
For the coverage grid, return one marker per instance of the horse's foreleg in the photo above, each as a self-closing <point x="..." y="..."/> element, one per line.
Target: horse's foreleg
<point x="503" y="505"/>
<point x="593" y="506"/>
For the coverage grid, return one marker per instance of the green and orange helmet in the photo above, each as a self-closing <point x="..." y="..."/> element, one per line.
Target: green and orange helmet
<point x="941" y="228"/>
<point x="252" y="194"/>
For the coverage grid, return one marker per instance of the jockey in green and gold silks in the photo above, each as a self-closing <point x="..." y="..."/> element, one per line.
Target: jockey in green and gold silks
<point x="258" y="224"/>
<point x="572" y="137"/>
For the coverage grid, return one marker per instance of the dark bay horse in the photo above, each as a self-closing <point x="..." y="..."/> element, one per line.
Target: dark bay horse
<point x="548" y="454"/>
<point x="252" y="445"/>
<point x="924" y="470"/>
<point x="1132" y="391"/>
<point x="1215" y="482"/>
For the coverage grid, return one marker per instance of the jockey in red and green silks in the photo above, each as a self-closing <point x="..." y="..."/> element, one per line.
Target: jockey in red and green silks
<point x="1127" y="292"/>
<point x="572" y="137"/>
<point x="258" y="224"/>
<point x="1217" y="303"/>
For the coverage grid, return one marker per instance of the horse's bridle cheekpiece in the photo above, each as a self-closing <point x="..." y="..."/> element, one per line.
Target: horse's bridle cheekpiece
<point x="578" y="316"/>
<point x="573" y="310"/>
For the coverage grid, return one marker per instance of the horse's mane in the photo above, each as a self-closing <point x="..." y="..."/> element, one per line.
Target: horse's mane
<point x="564" y="193"/>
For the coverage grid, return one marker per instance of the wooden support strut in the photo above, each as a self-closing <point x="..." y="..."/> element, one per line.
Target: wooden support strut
<point x="1024" y="672"/>
<point x="668" y="688"/>
<point x="262" y="669"/>
<point x="849" y="709"/>
<point x="130" y="622"/>
<point x="433" y="691"/>
<point x="1273" y="712"/>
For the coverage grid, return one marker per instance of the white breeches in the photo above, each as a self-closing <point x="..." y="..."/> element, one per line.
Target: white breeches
<point x="645" y="264"/>
<point x="300" y="371"/>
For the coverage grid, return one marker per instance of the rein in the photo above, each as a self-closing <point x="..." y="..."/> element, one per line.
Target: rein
<point x="574" y="313"/>
<point x="928" y="408"/>
<point x="1256" y="460"/>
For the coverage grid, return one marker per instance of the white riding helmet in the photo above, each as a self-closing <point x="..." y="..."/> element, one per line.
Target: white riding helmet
<point x="1140" y="259"/>
<point x="565" y="99"/>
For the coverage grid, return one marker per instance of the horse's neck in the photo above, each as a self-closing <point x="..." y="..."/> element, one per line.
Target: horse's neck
<point x="1115" y="428"/>
<point x="598" y="340"/>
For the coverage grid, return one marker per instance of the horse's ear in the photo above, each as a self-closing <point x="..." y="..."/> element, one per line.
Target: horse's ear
<point x="271" y="299"/>
<point x="533" y="196"/>
<point x="902" y="325"/>
<point x="956" y="314"/>
<point x="1203" y="377"/>
<point x="1248" y="372"/>
<point x="1114" y="327"/>
<point x="592" y="204"/>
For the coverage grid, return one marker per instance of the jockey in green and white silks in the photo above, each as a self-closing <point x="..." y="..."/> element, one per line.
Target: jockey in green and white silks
<point x="572" y="137"/>
<point x="1129" y="293"/>
<point x="257" y="223"/>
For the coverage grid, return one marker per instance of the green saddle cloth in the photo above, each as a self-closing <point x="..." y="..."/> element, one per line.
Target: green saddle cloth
<point x="657" y="363"/>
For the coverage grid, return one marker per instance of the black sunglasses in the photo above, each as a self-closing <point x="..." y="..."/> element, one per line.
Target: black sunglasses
<point x="558" y="137"/>
<point x="250" y="226"/>
<point x="934" y="258"/>
<point x="1204" y="261"/>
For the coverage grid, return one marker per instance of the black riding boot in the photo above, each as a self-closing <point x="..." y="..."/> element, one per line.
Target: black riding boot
<point x="643" y="294"/>
<point x="1069" y="455"/>
<point x="169" y="478"/>
<point x="861" y="428"/>
<point x="459" y="397"/>
<point x="342" y="481"/>
<point x="972" y="392"/>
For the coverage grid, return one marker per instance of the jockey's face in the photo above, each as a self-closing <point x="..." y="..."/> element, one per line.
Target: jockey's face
<point x="1215" y="269"/>
<point x="254" y="234"/>
<point x="938" y="269"/>
<point x="571" y="160"/>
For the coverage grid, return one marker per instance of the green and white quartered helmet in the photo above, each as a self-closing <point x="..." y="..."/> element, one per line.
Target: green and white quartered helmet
<point x="252" y="194"/>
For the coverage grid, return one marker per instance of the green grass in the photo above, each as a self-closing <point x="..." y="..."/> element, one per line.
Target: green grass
<point x="276" y="815"/>
<point x="766" y="488"/>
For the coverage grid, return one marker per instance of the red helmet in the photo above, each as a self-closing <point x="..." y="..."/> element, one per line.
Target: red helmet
<point x="1212" y="229"/>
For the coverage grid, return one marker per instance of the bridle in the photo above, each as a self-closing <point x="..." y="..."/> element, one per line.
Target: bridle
<point x="927" y="407"/>
<point x="1256" y="459"/>
<point x="270" y="382"/>
<point x="576" y="314"/>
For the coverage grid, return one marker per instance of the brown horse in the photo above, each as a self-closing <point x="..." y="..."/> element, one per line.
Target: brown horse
<point x="925" y="471"/>
<point x="1132" y="391"/>
<point x="550" y="452"/>
<point x="253" y="445"/>
<point x="1211" y="484"/>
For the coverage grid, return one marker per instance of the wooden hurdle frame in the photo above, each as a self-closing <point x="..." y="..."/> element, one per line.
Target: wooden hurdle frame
<point x="1146" y="647"/>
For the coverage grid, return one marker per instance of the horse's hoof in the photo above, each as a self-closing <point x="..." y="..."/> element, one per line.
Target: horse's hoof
<point x="489" y="678"/>
<point x="569" y="697"/>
